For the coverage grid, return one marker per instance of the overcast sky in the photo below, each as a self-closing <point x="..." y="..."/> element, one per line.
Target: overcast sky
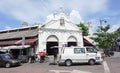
<point x="14" y="12"/>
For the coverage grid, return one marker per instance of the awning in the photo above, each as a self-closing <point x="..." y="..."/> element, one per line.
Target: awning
<point x="13" y="47"/>
<point x="87" y="43"/>
<point x="29" y="41"/>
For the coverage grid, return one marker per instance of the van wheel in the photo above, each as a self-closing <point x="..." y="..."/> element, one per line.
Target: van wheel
<point x="68" y="62"/>
<point x="7" y="65"/>
<point x="91" y="62"/>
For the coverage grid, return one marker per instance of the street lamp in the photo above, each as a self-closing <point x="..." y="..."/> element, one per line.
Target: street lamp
<point x="101" y="21"/>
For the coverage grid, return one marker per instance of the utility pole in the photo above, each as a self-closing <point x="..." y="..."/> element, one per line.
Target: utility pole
<point x="23" y="45"/>
<point x="101" y="21"/>
<point x="23" y="42"/>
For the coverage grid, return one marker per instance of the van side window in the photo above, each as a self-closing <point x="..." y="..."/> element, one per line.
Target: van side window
<point x="90" y="50"/>
<point x="79" y="50"/>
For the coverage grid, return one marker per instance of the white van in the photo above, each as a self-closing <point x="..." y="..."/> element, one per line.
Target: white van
<point x="71" y="55"/>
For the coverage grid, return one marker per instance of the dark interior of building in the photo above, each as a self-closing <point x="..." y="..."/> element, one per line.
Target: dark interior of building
<point x="72" y="44"/>
<point x="50" y="47"/>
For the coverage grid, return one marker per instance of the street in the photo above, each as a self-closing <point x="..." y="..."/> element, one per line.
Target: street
<point x="112" y="62"/>
<point x="45" y="67"/>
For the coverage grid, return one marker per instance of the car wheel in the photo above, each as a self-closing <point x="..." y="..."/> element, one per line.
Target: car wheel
<point x="91" y="62"/>
<point x="68" y="62"/>
<point x="7" y="65"/>
<point x="20" y="64"/>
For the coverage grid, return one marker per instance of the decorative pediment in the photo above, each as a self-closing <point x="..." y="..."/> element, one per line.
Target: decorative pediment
<point x="61" y="21"/>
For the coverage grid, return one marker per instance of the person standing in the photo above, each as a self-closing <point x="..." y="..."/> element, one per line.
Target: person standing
<point x="42" y="56"/>
<point x="55" y="55"/>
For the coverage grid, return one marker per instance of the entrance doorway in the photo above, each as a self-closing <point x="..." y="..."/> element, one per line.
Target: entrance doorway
<point x="51" y="48"/>
<point x="72" y="41"/>
<point x="51" y="45"/>
<point x="17" y="52"/>
<point x="72" y="44"/>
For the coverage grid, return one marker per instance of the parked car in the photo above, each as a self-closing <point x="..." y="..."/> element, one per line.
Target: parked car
<point x="7" y="61"/>
<point x="70" y="55"/>
<point x="23" y="58"/>
<point x="109" y="52"/>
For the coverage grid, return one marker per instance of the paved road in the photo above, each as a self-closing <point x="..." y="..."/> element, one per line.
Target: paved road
<point x="45" y="68"/>
<point x="112" y="62"/>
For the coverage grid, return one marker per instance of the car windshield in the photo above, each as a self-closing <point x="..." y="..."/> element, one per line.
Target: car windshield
<point x="6" y="56"/>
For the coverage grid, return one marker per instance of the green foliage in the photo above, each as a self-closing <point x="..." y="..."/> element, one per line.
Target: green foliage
<point x="104" y="39"/>
<point x="84" y="29"/>
<point x="116" y="33"/>
<point x="103" y="29"/>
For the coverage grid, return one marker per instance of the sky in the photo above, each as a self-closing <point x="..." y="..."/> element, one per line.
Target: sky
<point x="14" y="12"/>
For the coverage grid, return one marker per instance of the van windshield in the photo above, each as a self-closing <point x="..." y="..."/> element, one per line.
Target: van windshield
<point x="91" y="50"/>
<point x="96" y="49"/>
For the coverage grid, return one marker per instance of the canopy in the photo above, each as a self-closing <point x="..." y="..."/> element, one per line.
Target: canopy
<point x="13" y="42"/>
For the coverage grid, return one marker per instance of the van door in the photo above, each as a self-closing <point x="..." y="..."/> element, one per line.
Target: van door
<point x="79" y="55"/>
<point x="91" y="53"/>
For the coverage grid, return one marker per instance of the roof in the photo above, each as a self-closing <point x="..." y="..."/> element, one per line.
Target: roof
<point x="18" y="33"/>
<point x="10" y="37"/>
<point x="87" y="43"/>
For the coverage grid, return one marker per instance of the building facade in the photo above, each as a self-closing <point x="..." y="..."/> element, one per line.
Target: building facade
<point x="59" y="32"/>
<point x="56" y="33"/>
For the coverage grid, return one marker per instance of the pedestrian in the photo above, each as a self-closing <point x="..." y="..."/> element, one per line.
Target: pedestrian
<point x="55" y="55"/>
<point x="42" y="56"/>
<point x="33" y="58"/>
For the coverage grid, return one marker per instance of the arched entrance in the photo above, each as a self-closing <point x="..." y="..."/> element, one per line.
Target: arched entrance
<point x="72" y="41"/>
<point x="51" y="45"/>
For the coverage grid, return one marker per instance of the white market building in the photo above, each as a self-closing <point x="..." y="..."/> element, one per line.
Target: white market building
<point x="58" y="32"/>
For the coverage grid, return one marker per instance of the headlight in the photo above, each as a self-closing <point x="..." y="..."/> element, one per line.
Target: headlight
<point x="97" y="58"/>
<point x="13" y="61"/>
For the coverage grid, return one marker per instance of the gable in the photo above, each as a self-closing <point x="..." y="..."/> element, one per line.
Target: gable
<point x="61" y="20"/>
<point x="56" y="24"/>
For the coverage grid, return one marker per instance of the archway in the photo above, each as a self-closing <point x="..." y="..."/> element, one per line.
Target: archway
<point x="72" y="41"/>
<point x="51" y="45"/>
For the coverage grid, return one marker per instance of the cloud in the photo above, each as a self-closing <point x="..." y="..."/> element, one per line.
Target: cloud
<point x="75" y="17"/>
<point x="35" y="11"/>
<point x="49" y="17"/>
<point x="114" y="27"/>
<point x="8" y="27"/>
<point x="23" y="10"/>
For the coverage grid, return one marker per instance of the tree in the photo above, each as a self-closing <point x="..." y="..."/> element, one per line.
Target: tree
<point x="116" y="33"/>
<point x="84" y="29"/>
<point x="104" y="39"/>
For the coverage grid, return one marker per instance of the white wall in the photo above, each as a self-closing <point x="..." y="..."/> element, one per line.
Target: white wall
<point x="62" y="32"/>
<point x="62" y="36"/>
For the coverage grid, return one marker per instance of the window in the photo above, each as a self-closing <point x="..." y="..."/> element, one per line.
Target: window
<point x="6" y="56"/>
<point x="91" y="50"/>
<point x="61" y="21"/>
<point x="79" y="50"/>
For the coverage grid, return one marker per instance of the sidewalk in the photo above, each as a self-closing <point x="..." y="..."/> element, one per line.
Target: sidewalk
<point x="114" y="62"/>
<point x="116" y="54"/>
<point x="65" y="71"/>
